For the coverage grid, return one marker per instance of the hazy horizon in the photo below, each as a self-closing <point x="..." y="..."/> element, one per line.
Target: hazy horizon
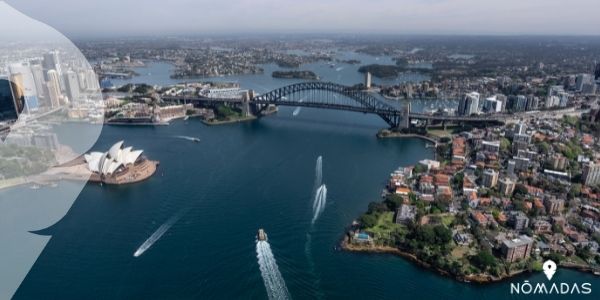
<point x="402" y="17"/>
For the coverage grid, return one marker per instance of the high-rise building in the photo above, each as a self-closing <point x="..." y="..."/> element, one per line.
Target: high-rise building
<point x="581" y="80"/>
<point x="72" y="86"/>
<point x="8" y="105"/>
<point x="564" y="99"/>
<point x="519" y="220"/>
<point x="489" y="178"/>
<point x="506" y="186"/>
<point x="469" y="104"/>
<point x="517" y="249"/>
<point x="591" y="174"/>
<point x="554" y="205"/>
<point x="54" y="88"/>
<point x="597" y="72"/>
<point x="51" y="61"/>
<point x="533" y="102"/>
<point x="39" y="80"/>
<point x="520" y="103"/>
<point x="557" y="162"/>
<point x="492" y="104"/>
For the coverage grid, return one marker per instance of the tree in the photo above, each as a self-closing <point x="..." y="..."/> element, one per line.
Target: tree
<point x="368" y="220"/>
<point x="443" y="235"/>
<point x="484" y="260"/>
<point x="393" y="201"/>
<point x="575" y="190"/>
<point x="504" y="144"/>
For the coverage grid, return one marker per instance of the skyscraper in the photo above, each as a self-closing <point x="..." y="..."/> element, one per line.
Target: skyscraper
<point x="53" y="88"/>
<point x="597" y="72"/>
<point x="72" y="85"/>
<point x="469" y="104"/>
<point x="8" y="102"/>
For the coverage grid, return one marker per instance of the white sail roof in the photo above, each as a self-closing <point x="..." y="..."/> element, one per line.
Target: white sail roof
<point x="109" y="162"/>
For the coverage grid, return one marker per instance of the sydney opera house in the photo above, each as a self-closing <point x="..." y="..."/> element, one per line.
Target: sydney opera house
<point x="119" y="165"/>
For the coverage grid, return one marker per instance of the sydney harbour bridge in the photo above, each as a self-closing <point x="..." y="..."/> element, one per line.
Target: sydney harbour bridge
<point x="328" y="95"/>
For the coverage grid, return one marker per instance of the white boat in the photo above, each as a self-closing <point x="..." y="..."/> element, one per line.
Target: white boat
<point x="262" y="235"/>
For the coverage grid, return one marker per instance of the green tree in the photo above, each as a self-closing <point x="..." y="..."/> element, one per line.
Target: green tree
<point x="484" y="260"/>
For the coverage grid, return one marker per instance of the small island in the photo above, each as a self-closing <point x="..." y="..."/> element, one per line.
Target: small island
<point x="381" y="71"/>
<point x="307" y="75"/>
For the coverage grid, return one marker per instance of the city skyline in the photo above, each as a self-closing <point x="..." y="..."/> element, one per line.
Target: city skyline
<point x="430" y="17"/>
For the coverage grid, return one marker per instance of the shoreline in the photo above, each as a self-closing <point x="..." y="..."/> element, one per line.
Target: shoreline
<point x="223" y="122"/>
<point x="475" y="278"/>
<point x="383" y="134"/>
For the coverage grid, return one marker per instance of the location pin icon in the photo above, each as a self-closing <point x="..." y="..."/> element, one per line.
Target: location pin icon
<point x="549" y="269"/>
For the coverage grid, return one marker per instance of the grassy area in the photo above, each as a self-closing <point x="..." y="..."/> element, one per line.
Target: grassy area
<point x="385" y="226"/>
<point x="447" y="220"/>
<point x="440" y="133"/>
<point x="575" y="260"/>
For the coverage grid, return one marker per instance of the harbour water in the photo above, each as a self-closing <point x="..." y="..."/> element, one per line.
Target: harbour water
<point x="215" y="194"/>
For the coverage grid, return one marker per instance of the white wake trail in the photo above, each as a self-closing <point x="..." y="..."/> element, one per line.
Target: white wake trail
<point x="318" y="173"/>
<point x="320" y="201"/>
<point x="189" y="138"/>
<point x="296" y="111"/>
<point x="272" y="278"/>
<point x="157" y="234"/>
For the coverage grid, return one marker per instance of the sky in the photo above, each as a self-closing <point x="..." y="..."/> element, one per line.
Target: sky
<point x="81" y="18"/>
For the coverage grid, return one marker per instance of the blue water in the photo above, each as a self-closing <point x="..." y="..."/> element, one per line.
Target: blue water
<point x="238" y="178"/>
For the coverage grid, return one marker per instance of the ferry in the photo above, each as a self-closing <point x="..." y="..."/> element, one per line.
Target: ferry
<point x="195" y="140"/>
<point x="186" y="118"/>
<point x="262" y="236"/>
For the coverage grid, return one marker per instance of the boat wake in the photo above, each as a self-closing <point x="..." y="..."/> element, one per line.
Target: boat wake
<point x="189" y="138"/>
<point x="157" y="234"/>
<point x="272" y="278"/>
<point x="296" y="111"/>
<point x="319" y="203"/>
<point x="318" y="173"/>
<point x="339" y="69"/>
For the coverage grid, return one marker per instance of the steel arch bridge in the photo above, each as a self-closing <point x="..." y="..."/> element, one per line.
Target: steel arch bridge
<point x="319" y="94"/>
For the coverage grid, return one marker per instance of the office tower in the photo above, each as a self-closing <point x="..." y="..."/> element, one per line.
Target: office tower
<point x="597" y="72"/>
<point x="564" y="99"/>
<point x="54" y="88"/>
<point x="51" y="62"/>
<point x="39" y="81"/>
<point x="8" y="103"/>
<point x="469" y="104"/>
<point x="520" y="103"/>
<point x="72" y="86"/>
<point x="581" y="80"/>
<point x="533" y="102"/>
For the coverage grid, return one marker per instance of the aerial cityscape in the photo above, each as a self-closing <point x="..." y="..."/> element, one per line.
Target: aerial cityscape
<point x="300" y="163"/>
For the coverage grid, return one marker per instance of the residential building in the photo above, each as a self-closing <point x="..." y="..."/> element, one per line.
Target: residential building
<point x="506" y="186"/>
<point x="406" y="214"/>
<point x="517" y="248"/>
<point x="591" y="174"/>
<point x="489" y="178"/>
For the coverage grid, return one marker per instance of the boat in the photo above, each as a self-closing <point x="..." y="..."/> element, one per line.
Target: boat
<point x="262" y="236"/>
<point x="186" y="118"/>
<point x="195" y="140"/>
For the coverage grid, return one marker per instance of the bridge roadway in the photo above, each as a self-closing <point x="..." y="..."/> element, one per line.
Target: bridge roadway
<point x="358" y="101"/>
